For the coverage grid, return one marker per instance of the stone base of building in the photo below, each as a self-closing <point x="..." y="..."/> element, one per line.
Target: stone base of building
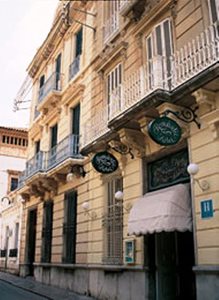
<point x="207" y="282"/>
<point x="97" y="281"/>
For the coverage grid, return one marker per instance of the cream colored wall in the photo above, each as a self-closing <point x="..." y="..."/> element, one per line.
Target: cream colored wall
<point x="204" y="150"/>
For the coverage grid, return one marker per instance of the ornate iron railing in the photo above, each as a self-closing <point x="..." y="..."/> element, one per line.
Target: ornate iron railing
<point x="53" y="83"/>
<point x="74" y="67"/>
<point x="196" y="56"/>
<point x="161" y="72"/>
<point x="36" y="164"/>
<point x="67" y="148"/>
<point x="44" y="161"/>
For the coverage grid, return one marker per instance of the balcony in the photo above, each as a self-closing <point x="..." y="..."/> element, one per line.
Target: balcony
<point x="74" y="67"/>
<point x="167" y="75"/>
<point x="49" y="93"/>
<point x="36" y="164"/>
<point x="67" y="148"/>
<point x="96" y="126"/>
<point x="126" y="6"/>
<point x="54" y="161"/>
<point x="111" y="27"/>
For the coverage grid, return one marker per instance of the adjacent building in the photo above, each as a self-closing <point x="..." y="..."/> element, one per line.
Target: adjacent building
<point x="125" y="97"/>
<point x="13" y="150"/>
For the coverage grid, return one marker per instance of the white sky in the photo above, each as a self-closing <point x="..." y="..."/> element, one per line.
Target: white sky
<point x="24" y="24"/>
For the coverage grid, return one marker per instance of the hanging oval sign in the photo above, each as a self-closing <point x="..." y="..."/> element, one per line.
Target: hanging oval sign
<point x="104" y="162"/>
<point x="164" y="131"/>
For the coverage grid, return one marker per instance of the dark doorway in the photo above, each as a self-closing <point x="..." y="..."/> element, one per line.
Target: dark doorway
<point x="170" y="260"/>
<point x="31" y="239"/>
<point x="69" y="227"/>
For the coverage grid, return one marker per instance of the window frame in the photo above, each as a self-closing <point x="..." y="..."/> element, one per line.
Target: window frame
<point x="113" y="241"/>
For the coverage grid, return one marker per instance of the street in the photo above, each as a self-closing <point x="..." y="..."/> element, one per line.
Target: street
<point x="10" y="292"/>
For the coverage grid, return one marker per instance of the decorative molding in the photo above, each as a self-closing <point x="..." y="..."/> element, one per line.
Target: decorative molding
<point x="110" y="52"/>
<point x="134" y="139"/>
<point x="72" y="91"/>
<point x="206" y="100"/>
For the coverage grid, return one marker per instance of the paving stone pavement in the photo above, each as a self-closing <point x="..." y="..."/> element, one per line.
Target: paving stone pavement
<point x="47" y="291"/>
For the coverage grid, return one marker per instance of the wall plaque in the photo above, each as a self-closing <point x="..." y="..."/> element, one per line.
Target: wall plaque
<point x="164" y="131"/>
<point x="169" y="170"/>
<point x="104" y="162"/>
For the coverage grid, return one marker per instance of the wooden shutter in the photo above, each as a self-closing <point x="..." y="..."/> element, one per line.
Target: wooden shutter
<point x="47" y="231"/>
<point x="69" y="227"/>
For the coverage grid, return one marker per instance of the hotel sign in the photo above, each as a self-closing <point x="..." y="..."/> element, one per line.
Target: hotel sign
<point x="104" y="162"/>
<point x="164" y="131"/>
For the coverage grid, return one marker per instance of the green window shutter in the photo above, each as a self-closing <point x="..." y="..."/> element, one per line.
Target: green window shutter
<point x="69" y="227"/>
<point x="47" y="231"/>
<point x="54" y="133"/>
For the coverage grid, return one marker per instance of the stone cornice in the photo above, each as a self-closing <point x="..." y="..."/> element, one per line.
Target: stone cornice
<point x="57" y="31"/>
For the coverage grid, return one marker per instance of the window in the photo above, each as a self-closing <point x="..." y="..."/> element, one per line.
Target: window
<point x="14" y="141"/>
<point x="16" y="236"/>
<point x="76" y="128"/>
<point x="53" y="144"/>
<point x="14" y="183"/>
<point x="113" y="225"/>
<point x="47" y="231"/>
<point x="58" y="73"/>
<point x="111" y="19"/>
<point x="41" y="86"/>
<point x="114" y="89"/>
<point x="159" y="48"/>
<point x="214" y="10"/>
<point x="69" y="227"/>
<point x="75" y="65"/>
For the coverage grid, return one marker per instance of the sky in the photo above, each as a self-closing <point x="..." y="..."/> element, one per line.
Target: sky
<point x="24" y="25"/>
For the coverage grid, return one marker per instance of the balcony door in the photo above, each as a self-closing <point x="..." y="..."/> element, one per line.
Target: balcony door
<point x="58" y="73"/>
<point x="75" y="128"/>
<point x="53" y="144"/>
<point x="159" y="47"/>
<point x="31" y="239"/>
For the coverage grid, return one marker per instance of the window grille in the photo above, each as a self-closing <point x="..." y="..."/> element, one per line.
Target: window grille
<point x="113" y="225"/>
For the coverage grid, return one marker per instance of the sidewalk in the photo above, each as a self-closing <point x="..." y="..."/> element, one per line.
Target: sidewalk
<point x="48" y="291"/>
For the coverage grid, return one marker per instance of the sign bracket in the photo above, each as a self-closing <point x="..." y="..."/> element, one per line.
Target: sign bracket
<point x="186" y="115"/>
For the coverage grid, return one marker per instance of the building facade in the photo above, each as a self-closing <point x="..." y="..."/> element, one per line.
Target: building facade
<point x="125" y="97"/>
<point x="13" y="150"/>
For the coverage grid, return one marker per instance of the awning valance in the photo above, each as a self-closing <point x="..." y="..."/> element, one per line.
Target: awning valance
<point x="167" y="209"/>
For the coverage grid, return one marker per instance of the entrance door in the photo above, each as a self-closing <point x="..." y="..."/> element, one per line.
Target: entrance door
<point x="31" y="239"/>
<point x="170" y="260"/>
<point x="166" y="279"/>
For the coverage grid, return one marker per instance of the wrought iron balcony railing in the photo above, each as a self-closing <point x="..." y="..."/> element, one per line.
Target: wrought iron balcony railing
<point x="74" y="67"/>
<point x="161" y="72"/>
<point x="53" y="83"/>
<point x="44" y="161"/>
<point x="67" y="148"/>
<point x="36" y="164"/>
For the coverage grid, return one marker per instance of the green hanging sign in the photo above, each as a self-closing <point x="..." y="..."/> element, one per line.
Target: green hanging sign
<point x="104" y="162"/>
<point x="164" y="131"/>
